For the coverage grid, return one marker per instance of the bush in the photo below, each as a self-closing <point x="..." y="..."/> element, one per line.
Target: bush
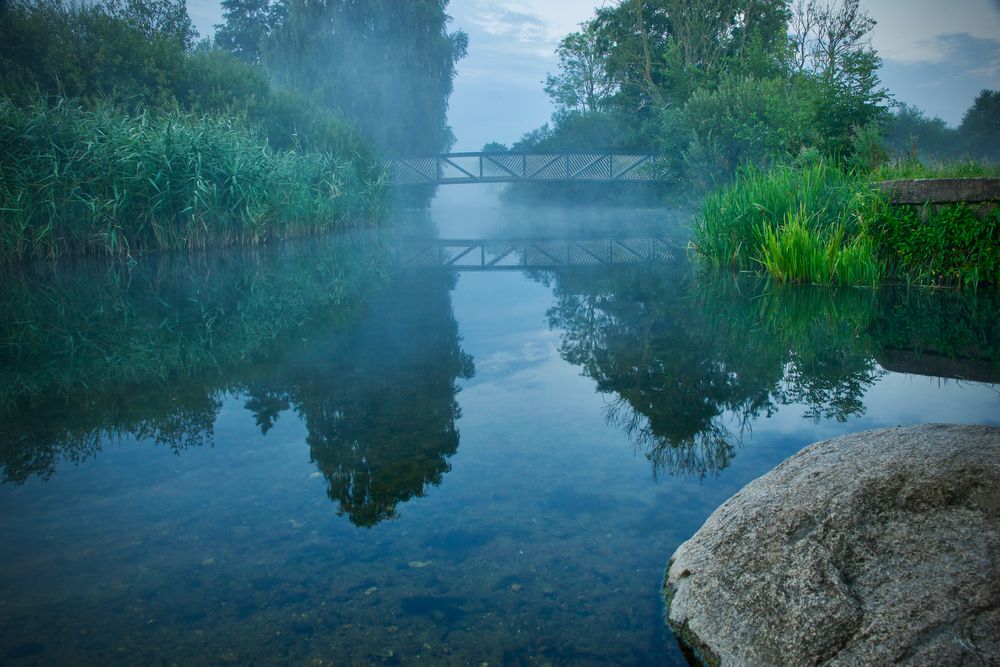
<point x="136" y="56"/>
<point x="749" y="120"/>
<point x="943" y="245"/>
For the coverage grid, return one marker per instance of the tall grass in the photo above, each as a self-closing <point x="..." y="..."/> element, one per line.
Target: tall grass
<point x="913" y="168"/>
<point x="107" y="182"/>
<point x="735" y="222"/>
<point x="800" y="252"/>
<point x="801" y="223"/>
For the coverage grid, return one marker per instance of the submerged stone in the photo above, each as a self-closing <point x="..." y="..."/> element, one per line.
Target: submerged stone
<point x="879" y="547"/>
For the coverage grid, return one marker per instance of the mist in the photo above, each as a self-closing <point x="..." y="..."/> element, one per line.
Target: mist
<point x="424" y="332"/>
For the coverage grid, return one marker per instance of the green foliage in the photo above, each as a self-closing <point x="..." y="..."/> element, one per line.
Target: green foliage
<point x="247" y="24"/>
<point x="910" y="134"/>
<point x="731" y="228"/>
<point x="661" y="51"/>
<point x="745" y="120"/>
<point x="131" y="53"/>
<point x="798" y="251"/>
<point x="951" y="169"/>
<point x="718" y="85"/>
<point x="953" y="244"/>
<point x="583" y="83"/>
<point x="105" y="52"/>
<point x="79" y="182"/>
<point x="820" y="222"/>
<point x="980" y="128"/>
<point x="868" y="152"/>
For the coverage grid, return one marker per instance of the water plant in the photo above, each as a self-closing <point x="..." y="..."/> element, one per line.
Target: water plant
<point x="955" y="244"/>
<point x="798" y="252"/>
<point x="802" y="222"/>
<point x="76" y="181"/>
<point x="815" y="220"/>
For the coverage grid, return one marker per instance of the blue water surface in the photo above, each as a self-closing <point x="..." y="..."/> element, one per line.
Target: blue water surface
<point x="309" y="455"/>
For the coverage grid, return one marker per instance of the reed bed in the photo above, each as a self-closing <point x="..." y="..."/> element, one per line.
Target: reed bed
<point x="79" y="182"/>
<point x="802" y="223"/>
<point x="819" y="222"/>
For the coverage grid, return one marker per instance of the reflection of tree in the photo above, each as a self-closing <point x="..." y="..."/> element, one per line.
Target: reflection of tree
<point x="378" y="399"/>
<point x="73" y="427"/>
<point x="149" y="352"/>
<point x="693" y="361"/>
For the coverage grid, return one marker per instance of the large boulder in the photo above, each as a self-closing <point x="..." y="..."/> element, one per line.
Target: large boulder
<point x="881" y="547"/>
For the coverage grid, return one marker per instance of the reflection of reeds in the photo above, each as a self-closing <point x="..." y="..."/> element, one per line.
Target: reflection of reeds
<point x="70" y="328"/>
<point x="87" y="182"/>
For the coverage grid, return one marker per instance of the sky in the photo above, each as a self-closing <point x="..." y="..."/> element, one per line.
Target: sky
<point x="937" y="55"/>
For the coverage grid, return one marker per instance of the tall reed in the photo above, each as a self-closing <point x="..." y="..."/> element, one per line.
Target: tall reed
<point x="802" y="222"/>
<point x="106" y="182"/>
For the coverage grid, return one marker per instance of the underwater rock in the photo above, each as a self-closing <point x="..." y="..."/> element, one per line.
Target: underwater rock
<point x="874" y="548"/>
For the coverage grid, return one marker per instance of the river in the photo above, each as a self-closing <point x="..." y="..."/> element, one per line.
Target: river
<point x="319" y="453"/>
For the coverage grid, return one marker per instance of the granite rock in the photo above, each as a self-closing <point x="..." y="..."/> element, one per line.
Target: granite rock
<point x="880" y="547"/>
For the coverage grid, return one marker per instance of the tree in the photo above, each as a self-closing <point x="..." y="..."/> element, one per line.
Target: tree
<point x="583" y="83"/>
<point x="980" y="128"/>
<point x="661" y="51"/>
<point x="131" y="52"/>
<point x="837" y="68"/>
<point x="248" y="24"/>
<point x="908" y="131"/>
<point x="386" y="65"/>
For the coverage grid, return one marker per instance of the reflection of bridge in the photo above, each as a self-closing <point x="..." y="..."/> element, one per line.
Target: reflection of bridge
<point x="527" y="167"/>
<point x="511" y="255"/>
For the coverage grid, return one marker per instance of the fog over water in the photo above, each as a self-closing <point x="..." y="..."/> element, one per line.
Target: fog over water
<point x="263" y="400"/>
<point x="937" y="56"/>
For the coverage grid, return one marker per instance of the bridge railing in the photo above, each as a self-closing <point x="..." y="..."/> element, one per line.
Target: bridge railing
<point x="527" y="167"/>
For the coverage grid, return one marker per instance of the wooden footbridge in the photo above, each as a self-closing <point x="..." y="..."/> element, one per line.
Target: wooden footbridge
<point x="528" y="168"/>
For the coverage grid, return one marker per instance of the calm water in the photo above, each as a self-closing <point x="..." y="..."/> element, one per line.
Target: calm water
<point x="306" y="455"/>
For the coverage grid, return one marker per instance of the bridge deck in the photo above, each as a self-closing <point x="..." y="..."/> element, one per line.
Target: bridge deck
<point x="528" y="167"/>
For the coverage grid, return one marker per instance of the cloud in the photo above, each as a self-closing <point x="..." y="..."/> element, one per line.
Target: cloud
<point x="971" y="56"/>
<point x="906" y="31"/>
<point x="498" y="20"/>
<point x="947" y="85"/>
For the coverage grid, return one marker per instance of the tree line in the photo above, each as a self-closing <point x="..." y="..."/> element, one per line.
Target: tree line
<point x="721" y="83"/>
<point x="308" y="73"/>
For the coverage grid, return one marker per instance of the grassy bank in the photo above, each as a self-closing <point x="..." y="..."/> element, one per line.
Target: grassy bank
<point x="75" y="181"/>
<point x="820" y="222"/>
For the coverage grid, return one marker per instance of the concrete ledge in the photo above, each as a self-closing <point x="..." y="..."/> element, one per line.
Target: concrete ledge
<point x="942" y="190"/>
